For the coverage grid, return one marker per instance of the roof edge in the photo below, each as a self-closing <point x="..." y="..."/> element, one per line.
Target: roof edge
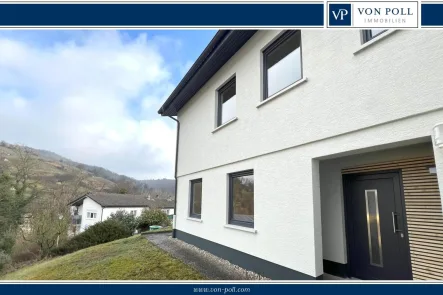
<point x="211" y="47"/>
<point x="78" y="199"/>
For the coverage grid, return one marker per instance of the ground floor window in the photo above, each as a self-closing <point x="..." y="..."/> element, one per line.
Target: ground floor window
<point x="195" y="209"/>
<point x="241" y="198"/>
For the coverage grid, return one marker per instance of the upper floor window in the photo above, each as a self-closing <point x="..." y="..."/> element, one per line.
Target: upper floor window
<point x="368" y="35"/>
<point x="241" y="198"/>
<point x="282" y="64"/>
<point x="226" y="102"/>
<point x="196" y="198"/>
<point x="91" y="215"/>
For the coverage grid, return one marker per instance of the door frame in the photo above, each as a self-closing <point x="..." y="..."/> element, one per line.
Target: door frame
<point x="347" y="179"/>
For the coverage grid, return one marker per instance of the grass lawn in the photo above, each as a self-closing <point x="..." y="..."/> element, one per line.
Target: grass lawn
<point x="133" y="258"/>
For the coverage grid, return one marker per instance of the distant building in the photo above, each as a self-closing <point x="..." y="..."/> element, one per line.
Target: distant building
<point x="95" y="207"/>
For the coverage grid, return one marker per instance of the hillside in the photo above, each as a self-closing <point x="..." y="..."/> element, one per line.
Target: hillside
<point x="52" y="170"/>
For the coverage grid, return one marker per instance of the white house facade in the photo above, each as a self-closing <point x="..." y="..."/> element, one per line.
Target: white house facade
<point x="95" y="207"/>
<point x="304" y="153"/>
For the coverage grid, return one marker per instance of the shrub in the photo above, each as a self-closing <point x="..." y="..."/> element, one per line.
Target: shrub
<point x="125" y="218"/>
<point x="24" y="251"/>
<point x="5" y="259"/>
<point x="99" y="233"/>
<point x="152" y="217"/>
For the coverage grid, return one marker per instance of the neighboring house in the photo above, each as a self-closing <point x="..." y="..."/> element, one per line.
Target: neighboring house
<point x="95" y="207"/>
<point x="308" y="152"/>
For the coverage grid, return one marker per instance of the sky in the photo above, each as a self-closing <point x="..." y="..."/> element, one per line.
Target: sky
<point x="93" y="96"/>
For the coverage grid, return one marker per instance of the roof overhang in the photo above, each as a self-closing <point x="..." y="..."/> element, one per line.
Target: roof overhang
<point x="221" y="48"/>
<point x="77" y="202"/>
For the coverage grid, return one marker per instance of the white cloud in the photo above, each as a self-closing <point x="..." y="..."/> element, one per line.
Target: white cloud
<point x="83" y="98"/>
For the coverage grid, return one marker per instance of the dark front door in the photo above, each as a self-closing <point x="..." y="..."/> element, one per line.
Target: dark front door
<point x="377" y="236"/>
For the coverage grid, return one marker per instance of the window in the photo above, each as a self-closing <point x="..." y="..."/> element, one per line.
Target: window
<point x="134" y="212"/>
<point x="91" y="215"/>
<point x="241" y="198"/>
<point x="196" y="199"/>
<point x="226" y="102"/>
<point x="368" y="35"/>
<point x="282" y="64"/>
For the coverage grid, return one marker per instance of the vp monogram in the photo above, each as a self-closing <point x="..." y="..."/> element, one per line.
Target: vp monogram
<point x="341" y="13"/>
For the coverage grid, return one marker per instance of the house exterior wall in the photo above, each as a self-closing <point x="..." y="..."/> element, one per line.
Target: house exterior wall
<point x="169" y="211"/>
<point x="339" y="96"/>
<point x="89" y="206"/>
<point x="336" y="112"/>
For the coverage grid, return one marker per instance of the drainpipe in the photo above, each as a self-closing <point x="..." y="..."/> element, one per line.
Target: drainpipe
<point x="175" y="175"/>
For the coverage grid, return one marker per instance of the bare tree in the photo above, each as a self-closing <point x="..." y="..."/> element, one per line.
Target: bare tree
<point x="17" y="191"/>
<point x="50" y="216"/>
<point x="124" y="186"/>
<point x="24" y="171"/>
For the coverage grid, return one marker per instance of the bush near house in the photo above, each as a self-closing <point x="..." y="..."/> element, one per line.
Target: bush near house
<point x="126" y="219"/>
<point x="99" y="233"/>
<point x="152" y="217"/>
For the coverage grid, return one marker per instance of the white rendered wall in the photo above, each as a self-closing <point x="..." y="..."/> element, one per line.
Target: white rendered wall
<point x="169" y="211"/>
<point x="286" y="195"/>
<point x="89" y="206"/>
<point x="397" y="77"/>
<point x="388" y="93"/>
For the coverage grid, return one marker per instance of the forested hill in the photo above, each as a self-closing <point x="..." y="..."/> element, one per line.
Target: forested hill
<point x="53" y="169"/>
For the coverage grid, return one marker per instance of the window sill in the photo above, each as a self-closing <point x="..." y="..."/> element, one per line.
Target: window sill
<point x="241" y="228"/>
<point x="194" y="219"/>
<point x="375" y="40"/>
<point x="275" y="95"/>
<point x="225" y="124"/>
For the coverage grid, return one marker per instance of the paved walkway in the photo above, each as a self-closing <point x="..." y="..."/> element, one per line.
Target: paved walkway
<point x="213" y="267"/>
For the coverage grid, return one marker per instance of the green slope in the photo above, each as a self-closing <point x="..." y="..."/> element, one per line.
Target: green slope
<point x="128" y="259"/>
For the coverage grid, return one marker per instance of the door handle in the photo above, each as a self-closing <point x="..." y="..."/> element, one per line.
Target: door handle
<point x="395" y="223"/>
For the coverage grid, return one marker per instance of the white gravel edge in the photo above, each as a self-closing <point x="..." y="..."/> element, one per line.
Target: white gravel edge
<point x="245" y="274"/>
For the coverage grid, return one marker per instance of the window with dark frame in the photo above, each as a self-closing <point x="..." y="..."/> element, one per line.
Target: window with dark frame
<point x="241" y="198"/>
<point x="368" y="35"/>
<point x="226" y="102"/>
<point x="91" y="215"/>
<point x="282" y="64"/>
<point x="196" y="199"/>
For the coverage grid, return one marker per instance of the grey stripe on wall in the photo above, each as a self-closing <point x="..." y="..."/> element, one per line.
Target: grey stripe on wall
<point x="260" y="266"/>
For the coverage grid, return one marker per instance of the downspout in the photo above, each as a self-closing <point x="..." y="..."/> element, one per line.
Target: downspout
<point x="175" y="175"/>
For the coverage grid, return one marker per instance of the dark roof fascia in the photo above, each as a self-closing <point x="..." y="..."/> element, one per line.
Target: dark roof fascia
<point x="221" y="43"/>
<point x="194" y="69"/>
<point x="78" y="199"/>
